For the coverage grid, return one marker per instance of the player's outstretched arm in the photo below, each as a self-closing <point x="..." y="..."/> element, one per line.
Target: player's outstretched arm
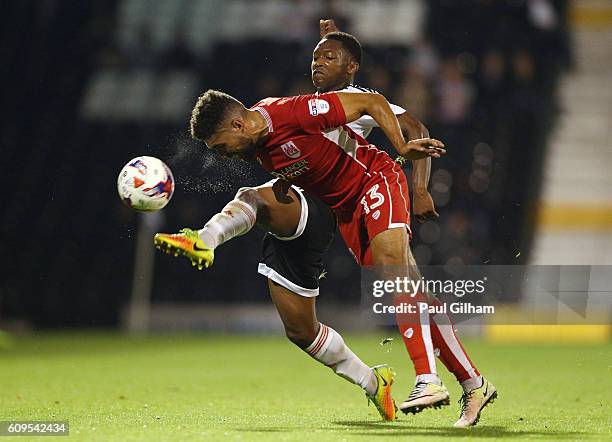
<point x="357" y="105"/>
<point x="424" y="207"/>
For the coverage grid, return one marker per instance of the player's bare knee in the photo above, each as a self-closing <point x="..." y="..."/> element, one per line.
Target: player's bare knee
<point x="252" y="198"/>
<point x="389" y="255"/>
<point x="248" y="195"/>
<point x="390" y="248"/>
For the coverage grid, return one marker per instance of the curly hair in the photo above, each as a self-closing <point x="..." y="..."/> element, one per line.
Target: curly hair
<point x="350" y="43"/>
<point x="210" y="110"/>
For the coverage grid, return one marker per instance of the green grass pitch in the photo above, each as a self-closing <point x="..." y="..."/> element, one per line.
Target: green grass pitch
<point x="211" y="387"/>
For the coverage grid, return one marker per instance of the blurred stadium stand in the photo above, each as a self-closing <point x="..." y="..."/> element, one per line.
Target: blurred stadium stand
<point x="575" y="214"/>
<point x="90" y="85"/>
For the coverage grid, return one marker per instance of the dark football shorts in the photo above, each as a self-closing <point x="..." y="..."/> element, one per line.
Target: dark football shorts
<point x="296" y="263"/>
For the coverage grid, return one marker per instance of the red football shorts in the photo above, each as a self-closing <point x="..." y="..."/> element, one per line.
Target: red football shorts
<point x="384" y="204"/>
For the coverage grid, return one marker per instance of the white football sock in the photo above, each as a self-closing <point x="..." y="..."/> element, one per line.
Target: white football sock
<point x="427" y="378"/>
<point x="471" y="383"/>
<point x="329" y="349"/>
<point x="236" y="218"/>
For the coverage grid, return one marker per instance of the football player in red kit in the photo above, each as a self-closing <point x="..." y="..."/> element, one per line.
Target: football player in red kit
<point x="306" y="141"/>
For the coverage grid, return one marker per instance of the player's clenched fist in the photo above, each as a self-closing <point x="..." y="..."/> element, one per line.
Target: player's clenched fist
<point x="327" y="26"/>
<point x="422" y="148"/>
<point x="423" y="206"/>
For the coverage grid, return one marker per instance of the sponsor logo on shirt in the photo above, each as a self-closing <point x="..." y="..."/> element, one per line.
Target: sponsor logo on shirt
<point x="317" y="106"/>
<point x="292" y="171"/>
<point x="291" y="150"/>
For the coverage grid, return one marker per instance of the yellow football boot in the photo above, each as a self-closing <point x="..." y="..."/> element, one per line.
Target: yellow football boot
<point x="382" y="397"/>
<point x="187" y="243"/>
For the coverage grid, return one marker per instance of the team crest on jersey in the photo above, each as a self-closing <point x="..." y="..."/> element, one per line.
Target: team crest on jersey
<point x="317" y="106"/>
<point x="291" y="150"/>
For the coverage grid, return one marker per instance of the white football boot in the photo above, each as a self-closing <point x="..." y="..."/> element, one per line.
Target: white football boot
<point x="473" y="402"/>
<point x="425" y="395"/>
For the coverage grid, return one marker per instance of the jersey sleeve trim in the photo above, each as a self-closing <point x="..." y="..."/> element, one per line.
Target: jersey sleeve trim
<point x="362" y="88"/>
<point x="264" y="113"/>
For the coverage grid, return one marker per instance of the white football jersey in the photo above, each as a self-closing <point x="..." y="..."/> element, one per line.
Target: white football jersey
<point x="364" y="125"/>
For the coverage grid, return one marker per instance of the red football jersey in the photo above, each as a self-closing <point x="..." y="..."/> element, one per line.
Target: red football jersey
<point x="299" y="151"/>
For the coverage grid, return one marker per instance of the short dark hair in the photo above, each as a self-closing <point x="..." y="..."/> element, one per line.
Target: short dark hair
<point x="349" y="42"/>
<point x="209" y="112"/>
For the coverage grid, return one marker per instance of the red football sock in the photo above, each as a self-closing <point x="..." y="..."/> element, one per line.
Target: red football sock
<point x="415" y="331"/>
<point x="452" y="353"/>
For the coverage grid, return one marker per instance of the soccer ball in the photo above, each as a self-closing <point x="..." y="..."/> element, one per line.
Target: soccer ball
<point x="145" y="184"/>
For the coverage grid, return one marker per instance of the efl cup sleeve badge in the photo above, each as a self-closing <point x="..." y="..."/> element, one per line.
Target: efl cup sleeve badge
<point x="291" y="150"/>
<point x="312" y="107"/>
<point x="317" y="106"/>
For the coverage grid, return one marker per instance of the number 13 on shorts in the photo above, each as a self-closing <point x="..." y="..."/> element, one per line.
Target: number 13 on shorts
<point x="371" y="200"/>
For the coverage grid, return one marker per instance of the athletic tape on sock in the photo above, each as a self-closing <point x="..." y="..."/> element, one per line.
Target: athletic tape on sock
<point x="236" y="219"/>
